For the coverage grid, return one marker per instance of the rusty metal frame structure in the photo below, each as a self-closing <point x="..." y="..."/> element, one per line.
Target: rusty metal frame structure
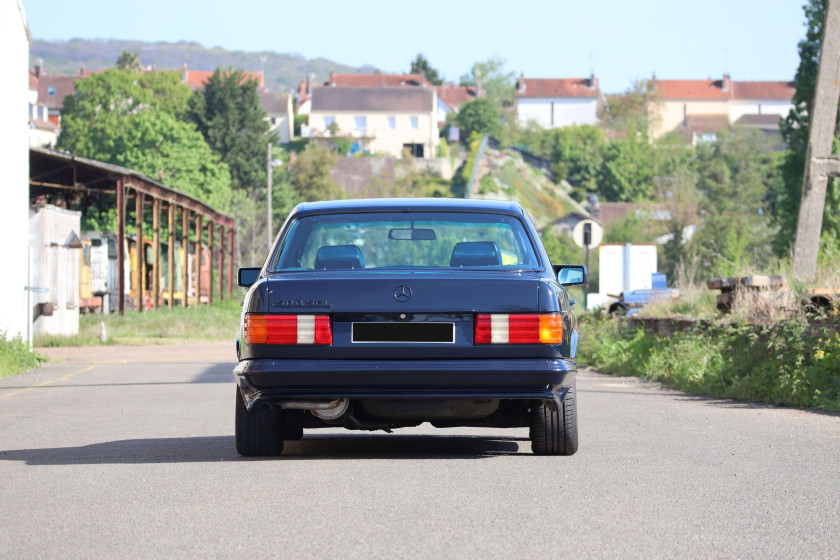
<point x="82" y="179"/>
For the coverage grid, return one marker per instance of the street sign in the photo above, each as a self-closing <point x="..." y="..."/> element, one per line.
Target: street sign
<point x="587" y="233"/>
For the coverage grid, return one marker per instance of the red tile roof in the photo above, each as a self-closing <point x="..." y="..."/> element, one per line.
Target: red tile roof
<point x="557" y="87"/>
<point x="376" y="99"/>
<point x="33" y="80"/>
<point x="60" y="86"/>
<point x="454" y="96"/>
<point x="197" y="79"/>
<point x="376" y="80"/>
<point x="724" y="89"/>
<point x="763" y="90"/>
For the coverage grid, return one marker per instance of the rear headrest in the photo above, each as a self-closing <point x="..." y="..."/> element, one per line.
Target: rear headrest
<point x="339" y="257"/>
<point x="476" y="253"/>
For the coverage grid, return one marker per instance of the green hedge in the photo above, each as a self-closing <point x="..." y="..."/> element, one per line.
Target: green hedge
<point x="791" y="363"/>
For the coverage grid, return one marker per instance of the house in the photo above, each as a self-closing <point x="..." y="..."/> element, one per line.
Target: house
<point x="451" y="97"/>
<point x="557" y="102"/>
<point x="375" y="80"/>
<point x="14" y="212"/>
<point x="700" y="109"/>
<point x="380" y="120"/>
<point x="52" y="89"/>
<point x="42" y="131"/>
<point x="279" y="114"/>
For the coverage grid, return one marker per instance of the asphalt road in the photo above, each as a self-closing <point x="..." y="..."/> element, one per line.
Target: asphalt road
<point x="137" y="460"/>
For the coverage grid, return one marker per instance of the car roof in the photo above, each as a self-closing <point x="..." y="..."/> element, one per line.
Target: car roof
<point x="409" y="205"/>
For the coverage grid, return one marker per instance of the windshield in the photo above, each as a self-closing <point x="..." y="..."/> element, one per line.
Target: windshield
<point x="378" y="240"/>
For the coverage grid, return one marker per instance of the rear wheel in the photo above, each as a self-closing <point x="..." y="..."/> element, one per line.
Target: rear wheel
<point x="554" y="432"/>
<point x="259" y="432"/>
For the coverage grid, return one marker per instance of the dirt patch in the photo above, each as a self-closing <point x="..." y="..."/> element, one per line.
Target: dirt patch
<point x="220" y="351"/>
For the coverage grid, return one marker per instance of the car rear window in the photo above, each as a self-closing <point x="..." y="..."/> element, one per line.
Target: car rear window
<point x="406" y="240"/>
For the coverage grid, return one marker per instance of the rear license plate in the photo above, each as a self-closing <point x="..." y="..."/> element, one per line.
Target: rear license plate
<point x="403" y="332"/>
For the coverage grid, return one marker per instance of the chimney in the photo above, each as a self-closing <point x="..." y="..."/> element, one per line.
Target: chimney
<point x="593" y="81"/>
<point x="520" y="83"/>
<point x="332" y="78"/>
<point x="39" y="67"/>
<point x="184" y="74"/>
<point x="81" y="70"/>
<point x="726" y="82"/>
<point x="478" y="92"/>
<point x="302" y="89"/>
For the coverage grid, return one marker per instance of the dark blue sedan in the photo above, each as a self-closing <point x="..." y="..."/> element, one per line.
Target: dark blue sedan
<point x="383" y="314"/>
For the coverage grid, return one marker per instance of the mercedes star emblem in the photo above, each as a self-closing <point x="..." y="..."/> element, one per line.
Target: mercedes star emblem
<point x="402" y="294"/>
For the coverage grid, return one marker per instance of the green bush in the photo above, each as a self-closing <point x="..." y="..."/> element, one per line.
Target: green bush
<point x="15" y="356"/>
<point x="790" y="362"/>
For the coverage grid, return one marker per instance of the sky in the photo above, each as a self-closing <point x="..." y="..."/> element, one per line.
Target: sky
<point x="619" y="40"/>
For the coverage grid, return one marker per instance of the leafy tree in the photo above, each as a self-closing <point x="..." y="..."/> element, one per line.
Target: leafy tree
<point x="131" y="119"/>
<point x="496" y="83"/>
<point x="129" y="61"/>
<point x="631" y="109"/>
<point x="421" y="66"/>
<point x="229" y="115"/>
<point x="478" y="115"/>
<point x="576" y="152"/>
<point x="629" y="169"/>
<point x="735" y="174"/>
<point x="311" y="175"/>
<point x="795" y="130"/>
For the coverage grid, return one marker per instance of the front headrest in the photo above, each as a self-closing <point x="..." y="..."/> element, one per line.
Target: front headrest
<point x="339" y="257"/>
<point x="476" y="253"/>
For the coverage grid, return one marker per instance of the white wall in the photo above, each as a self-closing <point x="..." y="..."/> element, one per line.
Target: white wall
<point x="618" y="273"/>
<point x="567" y="111"/>
<point x="14" y="154"/>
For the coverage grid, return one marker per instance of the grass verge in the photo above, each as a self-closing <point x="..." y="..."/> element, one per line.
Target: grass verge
<point x="15" y="357"/>
<point x="218" y="321"/>
<point x="790" y="362"/>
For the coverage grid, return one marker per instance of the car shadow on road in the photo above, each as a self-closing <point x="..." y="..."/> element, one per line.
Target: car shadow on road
<point x="222" y="448"/>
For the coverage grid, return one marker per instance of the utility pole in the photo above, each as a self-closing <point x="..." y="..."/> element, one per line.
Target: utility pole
<point x="819" y="163"/>
<point x="268" y="170"/>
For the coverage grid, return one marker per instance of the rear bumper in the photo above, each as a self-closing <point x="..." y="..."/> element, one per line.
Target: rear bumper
<point x="541" y="379"/>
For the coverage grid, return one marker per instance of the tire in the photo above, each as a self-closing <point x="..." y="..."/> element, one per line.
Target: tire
<point x="259" y="432"/>
<point x="555" y="432"/>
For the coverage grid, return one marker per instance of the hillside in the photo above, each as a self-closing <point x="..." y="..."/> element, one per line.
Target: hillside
<point x="282" y="70"/>
<point x="503" y="175"/>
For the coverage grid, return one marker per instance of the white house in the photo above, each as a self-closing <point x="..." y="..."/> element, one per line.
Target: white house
<point x="557" y="102"/>
<point x="14" y="145"/>
<point x="381" y="120"/>
<point x="279" y="114"/>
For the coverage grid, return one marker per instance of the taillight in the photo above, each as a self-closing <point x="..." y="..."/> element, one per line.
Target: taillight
<point x="287" y="329"/>
<point x="501" y="328"/>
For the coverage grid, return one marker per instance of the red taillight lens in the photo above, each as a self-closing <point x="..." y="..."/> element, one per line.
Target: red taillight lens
<point x="287" y="329"/>
<point x="521" y="328"/>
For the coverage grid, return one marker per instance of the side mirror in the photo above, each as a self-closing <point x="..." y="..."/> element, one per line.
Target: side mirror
<point x="571" y="274"/>
<point x="247" y="276"/>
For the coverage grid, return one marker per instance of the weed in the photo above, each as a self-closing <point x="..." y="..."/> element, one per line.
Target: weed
<point x="15" y="356"/>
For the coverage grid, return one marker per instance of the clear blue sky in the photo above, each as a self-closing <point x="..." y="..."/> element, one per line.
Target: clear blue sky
<point x="620" y="40"/>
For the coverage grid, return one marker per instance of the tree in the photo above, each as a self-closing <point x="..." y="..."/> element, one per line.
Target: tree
<point x="631" y="109"/>
<point x="576" y="152"/>
<point x="629" y="169"/>
<point x="735" y="174"/>
<point x="229" y="115"/>
<point x="131" y="119"/>
<point x="421" y="66"/>
<point x="129" y="61"/>
<point x="311" y="175"/>
<point x="478" y="115"/>
<point x="496" y="83"/>
<point x="795" y="130"/>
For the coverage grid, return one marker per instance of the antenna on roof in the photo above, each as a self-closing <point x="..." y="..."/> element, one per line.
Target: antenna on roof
<point x="726" y="60"/>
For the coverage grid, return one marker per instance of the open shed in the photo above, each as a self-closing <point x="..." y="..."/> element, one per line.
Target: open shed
<point x="62" y="178"/>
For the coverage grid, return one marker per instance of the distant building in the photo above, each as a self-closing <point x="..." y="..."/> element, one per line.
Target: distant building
<point x="451" y="97"/>
<point x="383" y="121"/>
<point x="14" y="212"/>
<point x="375" y="80"/>
<point x="701" y="109"/>
<point x="279" y="114"/>
<point x="557" y="102"/>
